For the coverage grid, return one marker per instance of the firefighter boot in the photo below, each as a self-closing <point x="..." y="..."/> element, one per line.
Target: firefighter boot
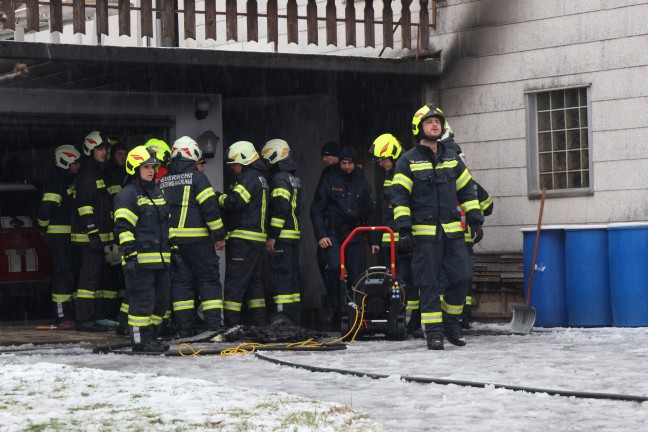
<point x="452" y="329"/>
<point x="143" y="340"/>
<point x="435" y="341"/>
<point x="414" y="328"/>
<point x="465" y="317"/>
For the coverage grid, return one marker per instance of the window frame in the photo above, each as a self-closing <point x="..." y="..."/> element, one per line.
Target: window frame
<point x="533" y="156"/>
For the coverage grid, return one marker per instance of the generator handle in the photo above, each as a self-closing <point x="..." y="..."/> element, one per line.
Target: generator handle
<point x="368" y="228"/>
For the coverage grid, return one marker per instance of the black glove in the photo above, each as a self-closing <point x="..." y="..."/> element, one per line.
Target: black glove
<point x="405" y="241"/>
<point x="130" y="266"/>
<point x="477" y="232"/>
<point x="95" y="242"/>
<point x="176" y="259"/>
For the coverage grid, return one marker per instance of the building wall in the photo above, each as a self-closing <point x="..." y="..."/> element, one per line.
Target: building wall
<point x="496" y="50"/>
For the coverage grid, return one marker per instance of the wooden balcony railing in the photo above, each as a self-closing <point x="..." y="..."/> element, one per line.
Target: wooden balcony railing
<point x="169" y="14"/>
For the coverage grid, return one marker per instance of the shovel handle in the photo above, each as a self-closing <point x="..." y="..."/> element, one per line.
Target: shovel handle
<point x="535" y="247"/>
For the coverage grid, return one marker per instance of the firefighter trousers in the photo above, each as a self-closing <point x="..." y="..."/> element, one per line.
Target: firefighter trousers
<point x="65" y="258"/>
<point x="430" y="257"/>
<point x="284" y="279"/>
<point x="243" y="282"/>
<point x="149" y="291"/>
<point x="88" y="299"/>
<point x="197" y="277"/>
<point x="354" y="265"/>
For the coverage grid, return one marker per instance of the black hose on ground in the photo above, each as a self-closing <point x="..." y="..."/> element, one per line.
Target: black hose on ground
<point x="424" y="380"/>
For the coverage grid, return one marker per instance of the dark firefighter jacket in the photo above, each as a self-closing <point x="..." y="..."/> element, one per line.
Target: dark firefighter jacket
<point x="342" y="202"/>
<point x="425" y="191"/>
<point x="192" y="203"/>
<point x="116" y="177"/>
<point x="93" y="209"/>
<point x="285" y="202"/>
<point x="54" y="212"/>
<point x="142" y="223"/>
<point x="246" y="204"/>
<point x="388" y="207"/>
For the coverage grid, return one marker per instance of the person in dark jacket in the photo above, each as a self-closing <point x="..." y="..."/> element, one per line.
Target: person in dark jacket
<point x="142" y="227"/>
<point x="428" y="183"/>
<point x="92" y="230"/>
<point x="284" y="230"/>
<point x="197" y="230"/>
<point x="386" y="150"/>
<point x="245" y="206"/>
<point x="54" y="214"/>
<point x="342" y="202"/>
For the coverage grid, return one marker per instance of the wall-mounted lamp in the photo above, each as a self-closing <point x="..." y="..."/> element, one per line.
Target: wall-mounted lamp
<point x="207" y="143"/>
<point x="203" y="105"/>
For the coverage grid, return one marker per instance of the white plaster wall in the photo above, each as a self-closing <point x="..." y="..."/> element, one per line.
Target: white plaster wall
<point x="496" y="50"/>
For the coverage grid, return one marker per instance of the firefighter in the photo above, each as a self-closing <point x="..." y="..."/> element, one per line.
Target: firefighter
<point x="54" y="215"/>
<point x="197" y="230"/>
<point x="427" y="184"/>
<point x="342" y="202"/>
<point x="331" y="157"/>
<point x="245" y="206"/>
<point x="386" y="150"/>
<point x="92" y="229"/>
<point x="142" y="227"/>
<point x="284" y="229"/>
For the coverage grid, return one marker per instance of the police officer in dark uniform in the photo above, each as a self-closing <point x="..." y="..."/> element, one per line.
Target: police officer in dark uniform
<point x="386" y="150"/>
<point x="197" y="230"/>
<point x="54" y="215"/>
<point x="428" y="183"/>
<point x="142" y="227"/>
<point x="342" y="202"/>
<point x="284" y="230"/>
<point x="92" y="229"/>
<point x="245" y="206"/>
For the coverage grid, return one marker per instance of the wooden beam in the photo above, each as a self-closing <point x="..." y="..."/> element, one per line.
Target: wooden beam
<point x="168" y="23"/>
<point x="56" y="16"/>
<point x="369" y="24"/>
<point x="210" y="19"/>
<point x="331" y="23"/>
<point x="78" y="16"/>
<point x="146" y="18"/>
<point x="424" y="25"/>
<point x="406" y="24"/>
<point x="292" y="22"/>
<point x="273" y="23"/>
<point x="123" y="7"/>
<point x="231" y="20"/>
<point x="252" y="20"/>
<point x="388" y="24"/>
<point x="9" y="8"/>
<point x="101" y="17"/>
<point x="190" y="19"/>
<point x="350" y="23"/>
<point x="311" y="22"/>
<point x="33" y="18"/>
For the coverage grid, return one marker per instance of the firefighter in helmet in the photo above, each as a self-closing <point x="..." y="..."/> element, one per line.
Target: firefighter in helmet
<point x="54" y="220"/>
<point x="142" y="227"/>
<point x="428" y="183"/>
<point x="284" y="230"/>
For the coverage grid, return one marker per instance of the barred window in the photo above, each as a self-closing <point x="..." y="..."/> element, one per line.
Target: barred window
<point x="559" y="139"/>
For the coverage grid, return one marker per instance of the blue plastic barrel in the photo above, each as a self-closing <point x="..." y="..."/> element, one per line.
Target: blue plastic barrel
<point x="548" y="291"/>
<point x="628" y="254"/>
<point x="587" y="276"/>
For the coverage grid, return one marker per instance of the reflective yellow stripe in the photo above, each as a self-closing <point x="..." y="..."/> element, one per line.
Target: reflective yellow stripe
<point x="483" y="205"/>
<point x="100" y="184"/>
<point x="212" y="304"/>
<point x="280" y="192"/>
<point x="114" y="189"/>
<point x="156" y="320"/>
<point x="431" y="317"/>
<point x="264" y="206"/>
<point x="387" y="183"/>
<point x="85" y="294"/>
<point x="296" y="297"/>
<point x="293" y="206"/>
<point x="53" y="197"/>
<point x="256" y="303"/>
<point x="290" y="234"/>
<point x="451" y="309"/>
<point x="86" y="210"/>
<point x="470" y="205"/>
<point x="83" y="238"/>
<point x="126" y="236"/>
<point x="452" y="227"/>
<point x="420" y="166"/>
<point x="463" y="179"/>
<point x="202" y="196"/>
<point x="249" y="235"/>
<point x="184" y="207"/>
<point x="183" y="305"/>
<point x="468" y="301"/>
<point x="233" y="306"/>
<point x="403" y="180"/>
<point x="468" y="236"/>
<point x="243" y="192"/>
<point x="126" y="214"/>
<point x="109" y="294"/>
<point x="424" y="230"/>
<point x="61" y="298"/>
<point x="215" y="225"/>
<point x="139" y="321"/>
<point x="59" y="229"/>
<point x="412" y="305"/>
<point x="43" y="223"/>
<point x="150" y="257"/>
<point x="277" y="222"/>
<point x="283" y="299"/>
<point x="447" y="164"/>
<point x="221" y="200"/>
<point x="402" y="211"/>
<point x="124" y="308"/>
<point x="386" y="238"/>
<point x="189" y="232"/>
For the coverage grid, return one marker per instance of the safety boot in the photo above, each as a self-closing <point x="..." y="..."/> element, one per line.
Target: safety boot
<point x="453" y="333"/>
<point x="150" y="346"/>
<point x="465" y="317"/>
<point x="435" y="341"/>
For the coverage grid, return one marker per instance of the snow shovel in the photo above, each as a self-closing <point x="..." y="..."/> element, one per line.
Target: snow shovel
<point x="524" y="316"/>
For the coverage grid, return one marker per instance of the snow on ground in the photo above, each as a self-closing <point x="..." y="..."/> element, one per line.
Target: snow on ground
<point x="246" y="393"/>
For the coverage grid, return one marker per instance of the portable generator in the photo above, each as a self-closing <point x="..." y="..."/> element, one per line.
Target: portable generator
<point x="375" y="305"/>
